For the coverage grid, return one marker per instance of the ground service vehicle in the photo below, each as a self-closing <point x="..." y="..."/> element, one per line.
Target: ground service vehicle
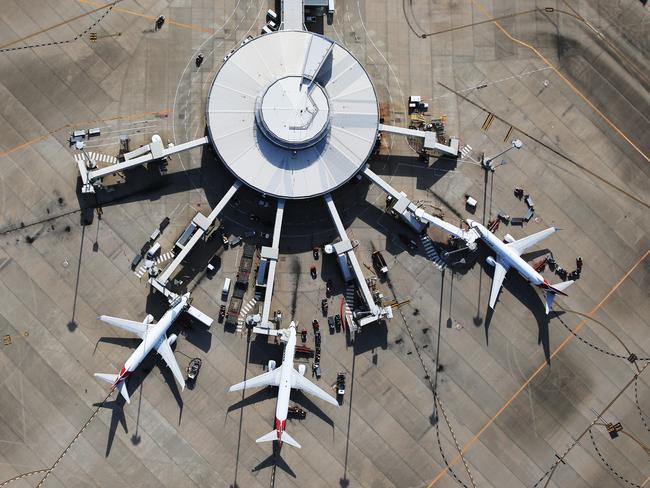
<point x="296" y="412"/>
<point x="379" y="263"/>
<point x="340" y="387"/>
<point x="193" y="368"/>
<point x="226" y="289"/>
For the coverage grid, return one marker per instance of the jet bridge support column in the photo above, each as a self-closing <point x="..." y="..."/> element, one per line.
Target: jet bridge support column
<point x="271" y="254"/>
<point x="345" y="247"/>
<point x="202" y="224"/>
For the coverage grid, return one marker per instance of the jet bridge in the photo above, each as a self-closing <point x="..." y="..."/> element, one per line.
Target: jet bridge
<point x="415" y="216"/>
<point x="344" y="247"/>
<point x="91" y="176"/>
<point x="201" y="225"/>
<point x="430" y="138"/>
<point x="270" y="254"/>
<point x="292" y="15"/>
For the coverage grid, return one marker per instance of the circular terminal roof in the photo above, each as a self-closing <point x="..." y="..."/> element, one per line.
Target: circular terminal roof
<point x="293" y="114"/>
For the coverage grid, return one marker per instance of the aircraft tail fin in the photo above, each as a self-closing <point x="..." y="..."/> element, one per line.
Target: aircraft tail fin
<point x="108" y="378"/>
<point x="289" y="440"/>
<point x="284" y="437"/>
<point x="558" y="289"/>
<point x="270" y="437"/>
<point x="123" y="391"/>
<point x="121" y="386"/>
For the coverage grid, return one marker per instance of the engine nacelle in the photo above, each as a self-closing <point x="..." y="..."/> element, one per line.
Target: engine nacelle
<point x="148" y="319"/>
<point x="171" y="339"/>
<point x="271" y="365"/>
<point x="508" y="238"/>
<point x="301" y="369"/>
<point x="490" y="260"/>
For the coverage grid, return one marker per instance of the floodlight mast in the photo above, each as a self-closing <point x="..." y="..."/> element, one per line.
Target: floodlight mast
<point x="487" y="163"/>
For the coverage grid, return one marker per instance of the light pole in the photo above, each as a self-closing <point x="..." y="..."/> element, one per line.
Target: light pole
<point x="486" y="164"/>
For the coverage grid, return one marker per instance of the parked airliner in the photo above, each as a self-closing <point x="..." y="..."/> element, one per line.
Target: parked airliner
<point x="284" y="377"/>
<point x="508" y="255"/>
<point x="154" y="336"/>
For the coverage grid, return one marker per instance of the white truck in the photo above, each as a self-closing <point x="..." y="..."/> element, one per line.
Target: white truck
<point x="226" y="289"/>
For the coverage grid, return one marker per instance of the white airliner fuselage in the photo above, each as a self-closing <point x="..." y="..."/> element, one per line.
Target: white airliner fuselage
<point x="285" y="378"/>
<point x="154" y="336"/>
<point x="284" y="388"/>
<point x="508" y="255"/>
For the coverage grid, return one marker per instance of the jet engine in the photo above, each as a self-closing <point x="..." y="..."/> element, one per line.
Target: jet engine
<point x="490" y="260"/>
<point x="271" y="365"/>
<point x="148" y="319"/>
<point x="172" y="338"/>
<point x="508" y="238"/>
<point x="301" y="369"/>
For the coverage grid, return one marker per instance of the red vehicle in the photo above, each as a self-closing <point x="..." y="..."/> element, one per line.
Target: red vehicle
<point x="313" y="273"/>
<point x="315" y="325"/>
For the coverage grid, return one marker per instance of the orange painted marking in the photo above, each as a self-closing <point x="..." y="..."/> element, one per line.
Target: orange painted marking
<point x="151" y="17"/>
<point x="83" y="122"/>
<point x="441" y="474"/>
<point x="563" y="78"/>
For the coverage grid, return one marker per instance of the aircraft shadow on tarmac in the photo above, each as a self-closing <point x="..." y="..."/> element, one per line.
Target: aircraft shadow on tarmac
<point x="275" y="459"/>
<point x="134" y="383"/>
<point x="525" y="294"/>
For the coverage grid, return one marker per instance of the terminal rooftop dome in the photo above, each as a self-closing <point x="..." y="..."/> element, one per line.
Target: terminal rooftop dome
<point x="293" y="114"/>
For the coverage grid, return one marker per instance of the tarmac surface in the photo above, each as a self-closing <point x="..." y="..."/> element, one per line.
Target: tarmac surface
<point x="517" y="387"/>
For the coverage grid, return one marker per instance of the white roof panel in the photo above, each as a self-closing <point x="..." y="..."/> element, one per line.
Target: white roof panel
<point x="293" y="114"/>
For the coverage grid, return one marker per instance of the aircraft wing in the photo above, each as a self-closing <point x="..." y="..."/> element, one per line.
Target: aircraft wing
<point x="165" y="351"/>
<point x="271" y="378"/>
<point x="499" y="274"/>
<point x="137" y="328"/>
<point x="522" y="244"/>
<point x="299" y="382"/>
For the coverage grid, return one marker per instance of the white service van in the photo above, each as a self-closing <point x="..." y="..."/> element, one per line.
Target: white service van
<point x="153" y="250"/>
<point x="226" y="289"/>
